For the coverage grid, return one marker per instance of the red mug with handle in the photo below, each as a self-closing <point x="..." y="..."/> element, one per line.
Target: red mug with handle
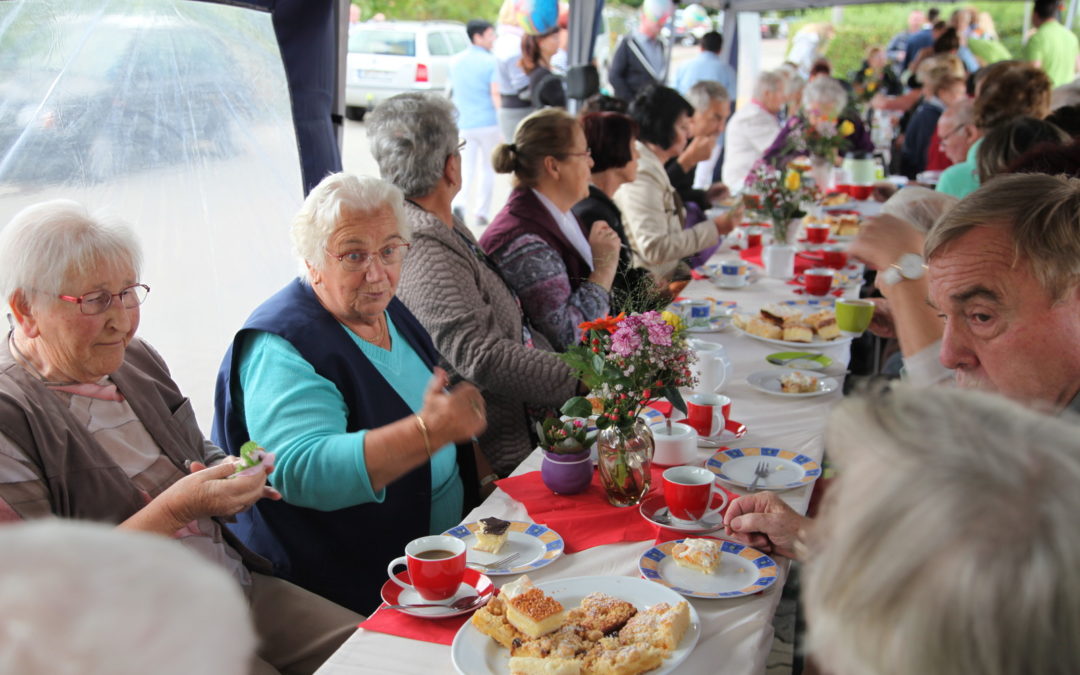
<point x="705" y="412"/>
<point x="436" y="566"/>
<point x="688" y="491"/>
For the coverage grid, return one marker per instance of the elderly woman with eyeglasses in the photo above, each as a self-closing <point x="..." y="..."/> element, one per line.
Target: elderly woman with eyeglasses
<point x="455" y="290"/>
<point x="92" y="426"/>
<point x="341" y="380"/>
<point x="560" y="269"/>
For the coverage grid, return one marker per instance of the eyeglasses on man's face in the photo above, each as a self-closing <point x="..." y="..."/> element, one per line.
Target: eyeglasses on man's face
<point x="587" y="153"/>
<point x="96" y="302"/>
<point x="358" y="261"/>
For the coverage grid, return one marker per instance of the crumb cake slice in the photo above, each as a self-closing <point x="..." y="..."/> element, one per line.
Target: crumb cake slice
<point x="601" y="613"/>
<point x="534" y="613"/>
<point x="797" y="332"/>
<point x="798" y="383"/>
<point x="612" y="657"/>
<point x="537" y="665"/>
<point x="763" y="328"/>
<point x="492" y="535"/>
<point x="661" y="626"/>
<point x="702" y="555"/>
<point x="491" y="621"/>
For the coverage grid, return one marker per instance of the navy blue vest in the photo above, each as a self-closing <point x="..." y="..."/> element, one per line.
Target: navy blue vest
<point x="340" y="555"/>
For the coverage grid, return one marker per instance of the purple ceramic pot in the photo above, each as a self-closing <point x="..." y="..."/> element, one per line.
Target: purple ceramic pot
<point x="566" y="474"/>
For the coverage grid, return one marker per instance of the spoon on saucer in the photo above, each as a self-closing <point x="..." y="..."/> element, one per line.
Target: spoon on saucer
<point x="461" y="604"/>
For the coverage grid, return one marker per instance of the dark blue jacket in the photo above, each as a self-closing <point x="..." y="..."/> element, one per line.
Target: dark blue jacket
<point x="340" y="555"/>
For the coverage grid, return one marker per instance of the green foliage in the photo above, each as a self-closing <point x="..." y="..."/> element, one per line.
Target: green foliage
<point x="442" y="10"/>
<point x="867" y="25"/>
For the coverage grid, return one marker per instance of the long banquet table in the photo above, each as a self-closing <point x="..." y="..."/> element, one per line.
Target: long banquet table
<point x="736" y="633"/>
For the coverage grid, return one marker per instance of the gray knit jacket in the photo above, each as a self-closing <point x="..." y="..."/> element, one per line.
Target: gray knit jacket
<point x="475" y="323"/>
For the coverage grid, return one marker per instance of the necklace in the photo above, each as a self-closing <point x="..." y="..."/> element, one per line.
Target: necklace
<point x="379" y="337"/>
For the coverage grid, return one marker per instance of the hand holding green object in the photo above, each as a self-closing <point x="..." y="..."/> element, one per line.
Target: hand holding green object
<point x="252" y="459"/>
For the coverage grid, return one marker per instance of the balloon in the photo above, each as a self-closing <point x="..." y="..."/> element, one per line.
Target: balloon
<point x="535" y="17"/>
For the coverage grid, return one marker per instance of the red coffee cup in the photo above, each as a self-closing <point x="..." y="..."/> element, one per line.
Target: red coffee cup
<point x="705" y="412"/>
<point x="861" y="192"/>
<point x="835" y="258"/>
<point x="844" y="188"/>
<point x="436" y="566"/>
<point x="817" y="233"/>
<point x="688" y="491"/>
<point x="818" y="280"/>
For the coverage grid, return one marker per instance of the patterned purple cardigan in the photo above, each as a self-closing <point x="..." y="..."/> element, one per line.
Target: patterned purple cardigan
<point x="544" y="269"/>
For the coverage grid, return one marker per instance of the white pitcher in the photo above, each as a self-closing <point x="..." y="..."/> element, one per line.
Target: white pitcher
<point x="713" y="368"/>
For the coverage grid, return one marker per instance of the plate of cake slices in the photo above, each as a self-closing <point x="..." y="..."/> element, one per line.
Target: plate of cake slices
<point x="792" y="383"/>
<point x="491" y="539"/>
<point x="582" y="624"/>
<point x="794" y="323"/>
<point x="787" y="469"/>
<point x="704" y="567"/>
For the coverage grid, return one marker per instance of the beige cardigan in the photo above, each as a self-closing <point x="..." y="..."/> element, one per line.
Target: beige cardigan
<point x="475" y="324"/>
<point x="653" y="220"/>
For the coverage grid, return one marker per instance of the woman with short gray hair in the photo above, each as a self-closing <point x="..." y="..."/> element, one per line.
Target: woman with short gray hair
<point x="824" y="104"/>
<point x="337" y="376"/>
<point x="92" y="426"/>
<point x="454" y="289"/>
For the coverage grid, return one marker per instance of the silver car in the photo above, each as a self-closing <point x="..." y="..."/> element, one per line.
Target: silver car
<point x="391" y="57"/>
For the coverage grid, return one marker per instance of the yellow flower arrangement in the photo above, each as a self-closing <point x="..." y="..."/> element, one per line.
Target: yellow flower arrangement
<point x="846" y="128"/>
<point x="793" y="180"/>
<point x="672" y="319"/>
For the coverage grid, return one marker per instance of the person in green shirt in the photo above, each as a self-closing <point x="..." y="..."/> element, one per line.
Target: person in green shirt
<point x="1053" y="47"/>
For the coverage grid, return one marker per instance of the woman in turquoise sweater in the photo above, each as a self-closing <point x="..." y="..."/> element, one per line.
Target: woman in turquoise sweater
<point x="337" y="377"/>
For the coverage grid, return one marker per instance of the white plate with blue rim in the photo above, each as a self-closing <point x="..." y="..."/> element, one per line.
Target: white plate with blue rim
<point x="742" y="571"/>
<point x="787" y="469"/>
<point x="536" y="545"/>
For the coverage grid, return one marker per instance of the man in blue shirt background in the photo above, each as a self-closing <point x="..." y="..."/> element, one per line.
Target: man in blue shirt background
<point x="475" y="93"/>
<point x="707" y="66"/>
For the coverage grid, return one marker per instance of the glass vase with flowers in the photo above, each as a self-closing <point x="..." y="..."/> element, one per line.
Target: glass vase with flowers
<point x="627" y="361"/>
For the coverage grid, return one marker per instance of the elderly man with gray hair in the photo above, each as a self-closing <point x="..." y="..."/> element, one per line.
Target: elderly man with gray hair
<point x="753" y="128"/>
<point x="712" y="105"/>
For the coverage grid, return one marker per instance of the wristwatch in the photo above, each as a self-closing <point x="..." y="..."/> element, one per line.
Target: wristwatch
<point x="908" y="266"/>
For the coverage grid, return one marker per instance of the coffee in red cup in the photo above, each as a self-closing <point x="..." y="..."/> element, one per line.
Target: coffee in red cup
<point x="818" y="280"/>
<point x="436" y="566"/>
<point x="688" y="491"/>
<point x="817" y="233"/>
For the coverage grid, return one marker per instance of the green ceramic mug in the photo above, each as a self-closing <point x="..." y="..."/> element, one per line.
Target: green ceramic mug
<point x="853" y="316"/>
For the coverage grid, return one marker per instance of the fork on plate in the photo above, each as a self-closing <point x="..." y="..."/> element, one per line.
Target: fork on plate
<point x="761" y="471"/>
<point x="498" y="564"/>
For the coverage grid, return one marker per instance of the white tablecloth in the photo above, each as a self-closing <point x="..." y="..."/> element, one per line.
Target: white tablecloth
<point x="736" y="633"/>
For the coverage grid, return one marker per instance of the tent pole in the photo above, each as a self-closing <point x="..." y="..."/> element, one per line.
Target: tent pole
<point x="1071" y="16"/>
<point x="341" y="35"/>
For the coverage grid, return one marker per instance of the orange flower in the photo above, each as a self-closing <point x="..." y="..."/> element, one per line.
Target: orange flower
<point x="608" y="323"/>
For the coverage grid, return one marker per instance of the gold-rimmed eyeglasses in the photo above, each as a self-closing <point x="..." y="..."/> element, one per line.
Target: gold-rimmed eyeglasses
<point x="358" y="261"/>
<point x="96" y="302"/>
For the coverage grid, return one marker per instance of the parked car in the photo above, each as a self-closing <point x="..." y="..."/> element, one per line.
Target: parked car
<point x="88" y="101"/>
<point x="387" y="58"/>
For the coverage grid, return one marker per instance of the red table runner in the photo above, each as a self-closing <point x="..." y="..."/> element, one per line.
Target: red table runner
<point x="393" y="622"/>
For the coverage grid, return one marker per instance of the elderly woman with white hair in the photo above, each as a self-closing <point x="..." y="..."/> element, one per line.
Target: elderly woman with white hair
<point x="92" y="426"/>
<point x="946" y="544"/>
<point x="456" y="290"/>
<point x="823" y="106"/>
<point x="330" y="372"/>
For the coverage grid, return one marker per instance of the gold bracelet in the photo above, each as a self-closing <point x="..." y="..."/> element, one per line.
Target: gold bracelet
<point x="423" y="431"/>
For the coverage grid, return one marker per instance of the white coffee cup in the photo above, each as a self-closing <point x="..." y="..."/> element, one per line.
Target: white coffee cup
<point x="679" y="446"/>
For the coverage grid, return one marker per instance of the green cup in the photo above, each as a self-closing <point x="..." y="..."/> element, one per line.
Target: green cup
<point x="853" y="316"/>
